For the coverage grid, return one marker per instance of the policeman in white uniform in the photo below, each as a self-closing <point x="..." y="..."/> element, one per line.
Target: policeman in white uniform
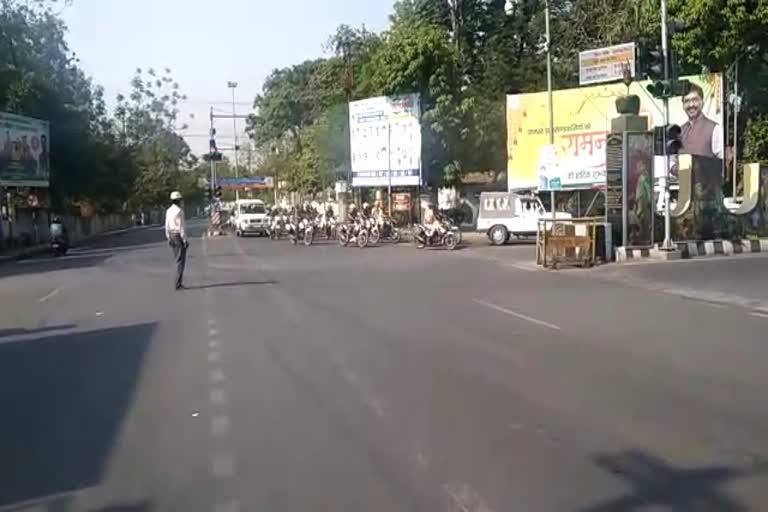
<point x="177" y="237"/>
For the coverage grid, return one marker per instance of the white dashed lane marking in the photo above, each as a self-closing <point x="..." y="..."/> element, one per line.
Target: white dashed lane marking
<point x="216" y="376"/>
<point x="516" y="314"/>
<point x="220" y="426"/>
<point x="222" y="465"/>
<point x="230" y="506"/>
<point x="213" y="332"/>
<point x="214" y="357"/>
<point x="50" y="295"/>
<point x="218" y="396"/>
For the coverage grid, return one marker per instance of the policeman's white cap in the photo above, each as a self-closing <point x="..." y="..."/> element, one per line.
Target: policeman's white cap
<point x="175" y="195"/>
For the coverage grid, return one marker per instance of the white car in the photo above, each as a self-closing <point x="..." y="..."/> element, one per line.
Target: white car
<point x="503" y="215"/>
<point x="250" y="217"/>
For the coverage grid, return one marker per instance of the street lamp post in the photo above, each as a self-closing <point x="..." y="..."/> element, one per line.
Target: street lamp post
<point x="509" y="9"/>
<point x="233" y="86"/>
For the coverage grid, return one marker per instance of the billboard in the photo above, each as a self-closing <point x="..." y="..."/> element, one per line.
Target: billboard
<point x="582" y="119"/>
<point x="245" y="182"/>
<point x="24" y="146"/>
<point x="606" y="64"/>
<point x="385" y="141"/>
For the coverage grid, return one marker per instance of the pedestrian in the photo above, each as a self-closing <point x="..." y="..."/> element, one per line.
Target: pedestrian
<point x="177" y="236"/>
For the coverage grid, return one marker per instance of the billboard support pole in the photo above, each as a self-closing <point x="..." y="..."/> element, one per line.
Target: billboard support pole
<point x="389" y="165"/>
<point x="549" y="96"/>
<point x="667" y="194"/>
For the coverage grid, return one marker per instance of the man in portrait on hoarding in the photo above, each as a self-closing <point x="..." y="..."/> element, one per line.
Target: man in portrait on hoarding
<point x="700" y="135"/>
<point x="42" y="159"/>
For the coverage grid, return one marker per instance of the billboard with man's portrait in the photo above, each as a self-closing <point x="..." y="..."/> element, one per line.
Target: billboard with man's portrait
<point x="582" y="119"/>
<point x="24" y="151"/>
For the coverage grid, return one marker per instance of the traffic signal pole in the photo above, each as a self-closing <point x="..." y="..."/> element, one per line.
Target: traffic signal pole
<point x="213" y="166"/>
<point x="667" y="245"/>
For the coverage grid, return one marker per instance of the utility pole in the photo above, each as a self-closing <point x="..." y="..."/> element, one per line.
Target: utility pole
<point x="213" y="162"/>
<point x="233" y="86"/>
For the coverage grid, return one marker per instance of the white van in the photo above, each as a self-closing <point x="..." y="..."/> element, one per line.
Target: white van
<point x="506" y="214"/>
<point x="250" y="217"/>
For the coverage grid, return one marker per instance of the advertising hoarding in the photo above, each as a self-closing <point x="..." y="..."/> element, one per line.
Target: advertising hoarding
<point x="606" y="64"/>
<point x="24" y="151"/>
<point x="582" y="120"/>
<point x="385" y="141"/>
<point x="245" y="182"/>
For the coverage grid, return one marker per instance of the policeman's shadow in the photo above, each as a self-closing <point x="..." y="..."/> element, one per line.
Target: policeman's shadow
<point x="232" y="284"/>
<point x="654" y="482"/>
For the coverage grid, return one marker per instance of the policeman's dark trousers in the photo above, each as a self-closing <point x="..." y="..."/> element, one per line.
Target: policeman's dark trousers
<point x="180" y="256"/>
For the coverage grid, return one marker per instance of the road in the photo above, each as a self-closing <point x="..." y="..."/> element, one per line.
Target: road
<point x="386" y="379"/>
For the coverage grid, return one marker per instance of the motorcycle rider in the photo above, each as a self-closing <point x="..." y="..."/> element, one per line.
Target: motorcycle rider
<point x="433" y="221"/>
<point x="59" y="231"/>
<point x="378" y="214"/>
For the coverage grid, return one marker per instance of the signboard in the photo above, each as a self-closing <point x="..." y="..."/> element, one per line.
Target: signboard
<point x="614" y="184"/>
<point x="256" y="182"/>
<point x="606" y="64"/>
<point x="401" y="202"/>
<point x="638" y="189"/>
<point x="24" y="156"/>
<point x="385" y="141"/>
<point x="582" y="119"/>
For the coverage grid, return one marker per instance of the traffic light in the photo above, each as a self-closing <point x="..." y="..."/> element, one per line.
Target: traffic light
<point x="217" y="191"/>
<point x="667" y="136"/>
<point x="660" y="89"/>
<point x="669" y="88"/>
<point x="216" y="157"/>
<point x="653" y="63"/>
<point x="674" y="144"/>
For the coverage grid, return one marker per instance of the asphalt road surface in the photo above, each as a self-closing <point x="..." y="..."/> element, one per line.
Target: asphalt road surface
<point x="291" y="378"/>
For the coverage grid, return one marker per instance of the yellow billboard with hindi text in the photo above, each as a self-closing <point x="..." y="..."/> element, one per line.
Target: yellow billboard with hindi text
<point x="582" y="119"/>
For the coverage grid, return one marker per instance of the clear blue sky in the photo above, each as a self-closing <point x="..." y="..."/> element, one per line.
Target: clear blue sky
<point x="207" y="43"/>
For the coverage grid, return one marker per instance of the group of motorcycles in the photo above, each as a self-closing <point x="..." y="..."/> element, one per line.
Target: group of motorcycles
<point x="306" y="225"/>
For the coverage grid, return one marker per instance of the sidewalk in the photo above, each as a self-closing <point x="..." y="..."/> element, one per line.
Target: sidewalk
<point x="25" y="252"/>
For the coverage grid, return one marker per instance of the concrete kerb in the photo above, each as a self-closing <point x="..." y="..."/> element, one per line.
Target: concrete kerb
<point x="694" y="249"/>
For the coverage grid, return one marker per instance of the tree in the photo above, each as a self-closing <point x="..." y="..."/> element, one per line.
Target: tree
<point x="148" y="119"/>
<point x="39" y="77"/>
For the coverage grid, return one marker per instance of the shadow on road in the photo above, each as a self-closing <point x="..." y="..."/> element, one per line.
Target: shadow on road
<point x="22" y="332"/>
<point x="95" y="252"/>
<point x="63" y="400"/>
<point x="655" y="483"/>
<point x="48" y="264"/>
<point x="231" y="284"/>
<point x="133" y="507"/>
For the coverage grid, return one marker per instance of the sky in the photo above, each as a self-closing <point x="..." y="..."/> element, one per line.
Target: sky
<point x="206" y="44"/>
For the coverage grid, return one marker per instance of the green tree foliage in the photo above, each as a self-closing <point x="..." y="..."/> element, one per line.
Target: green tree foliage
<point x="108" y="161"/>
<point x="148" y="119"/>
<point x="464" y="56"/>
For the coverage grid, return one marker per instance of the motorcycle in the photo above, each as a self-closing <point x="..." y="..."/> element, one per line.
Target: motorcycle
<point x="389" y="232"/>
<point x="449" y="225"/>
<point x="327" y="226"/>
<point x="374" y="233"/>
<point x="447" y="239"/>
<point x="59" y="247"/>
<point x="277" y="227"/>
<point x="59" y="238"/>
<point x="352" y="233"/>
<point x="303" y="230"/>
